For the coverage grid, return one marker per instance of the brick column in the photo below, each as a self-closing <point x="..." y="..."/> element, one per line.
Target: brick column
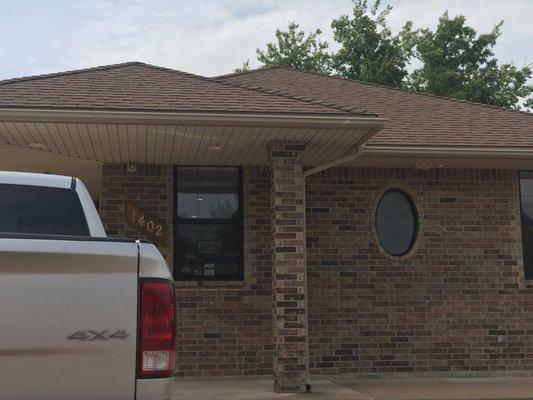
<point x="291" y="362"/>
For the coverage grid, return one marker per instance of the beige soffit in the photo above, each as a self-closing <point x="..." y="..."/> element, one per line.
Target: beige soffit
<point x="204" y="138"/>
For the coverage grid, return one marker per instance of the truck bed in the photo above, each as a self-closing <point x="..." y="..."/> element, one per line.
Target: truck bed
<point x="68" y="312"/>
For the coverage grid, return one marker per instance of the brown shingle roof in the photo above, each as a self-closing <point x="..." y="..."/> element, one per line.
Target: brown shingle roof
<point x="138" y="86"/>
<point x="415" y="119"/>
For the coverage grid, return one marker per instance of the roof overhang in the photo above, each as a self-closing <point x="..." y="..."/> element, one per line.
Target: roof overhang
<point x="204" y="138"/>
<point x="237" y="139"/>
<point x="428" y="157"/>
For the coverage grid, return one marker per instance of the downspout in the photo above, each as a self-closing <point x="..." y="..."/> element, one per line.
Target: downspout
<point x="335" y="163"/>
<point x="349" y="158"/>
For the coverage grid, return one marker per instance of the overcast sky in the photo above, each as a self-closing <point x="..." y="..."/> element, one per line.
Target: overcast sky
<point x="208" y="37"/>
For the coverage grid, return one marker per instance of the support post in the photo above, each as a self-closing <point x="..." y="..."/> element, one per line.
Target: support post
<point x="290" y="330"/>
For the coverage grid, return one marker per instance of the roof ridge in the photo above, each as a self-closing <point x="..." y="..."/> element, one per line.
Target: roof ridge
<point x="69" y="72"/>
<point x="248" y="71"/>
<point x="319" y="102"/>
<point x="211" y="81"/>
<point x="172" y="70"/>
<point x="98" y="68"/>
<point x="260" y="90"/>
<point x="409" y="91"/>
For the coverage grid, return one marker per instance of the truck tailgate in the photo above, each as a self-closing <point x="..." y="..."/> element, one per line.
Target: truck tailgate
<point x="68" y="318"/>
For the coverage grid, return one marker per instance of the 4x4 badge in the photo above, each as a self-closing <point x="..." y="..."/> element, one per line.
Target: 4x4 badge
<point x="91" y="336"/>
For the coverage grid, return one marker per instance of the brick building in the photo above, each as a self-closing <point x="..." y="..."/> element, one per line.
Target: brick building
<point x="314" y="225"/>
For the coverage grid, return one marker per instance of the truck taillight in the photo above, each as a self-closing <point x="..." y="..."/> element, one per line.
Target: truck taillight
<point x="156" y="329"/>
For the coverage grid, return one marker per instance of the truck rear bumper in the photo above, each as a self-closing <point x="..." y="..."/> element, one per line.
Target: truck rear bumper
<point x="154" y="389"/>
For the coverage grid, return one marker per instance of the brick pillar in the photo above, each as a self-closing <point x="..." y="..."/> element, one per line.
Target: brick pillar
<point x="291" y="362"/>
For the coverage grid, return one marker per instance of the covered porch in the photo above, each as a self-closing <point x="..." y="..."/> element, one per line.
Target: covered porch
<point x="128" y="157"/>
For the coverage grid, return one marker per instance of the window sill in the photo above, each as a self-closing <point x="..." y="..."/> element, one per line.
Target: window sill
<point x="211" y="284"/>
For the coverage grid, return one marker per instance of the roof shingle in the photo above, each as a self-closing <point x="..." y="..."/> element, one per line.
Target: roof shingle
<point x="414" y="119"/>
<point x="138" y="86"/>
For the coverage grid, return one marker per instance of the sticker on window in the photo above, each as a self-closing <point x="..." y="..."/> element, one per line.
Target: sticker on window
<point x="209" y="247"/>
<point x="209" y="269"/>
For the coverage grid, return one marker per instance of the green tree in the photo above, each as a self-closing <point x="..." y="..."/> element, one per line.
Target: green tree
<point x="453" y="59"/>
<point x="459" y="63"/>
<point x="369" y="51"/>
<point x="297" y="50"/>
<point x="245" y="67"/>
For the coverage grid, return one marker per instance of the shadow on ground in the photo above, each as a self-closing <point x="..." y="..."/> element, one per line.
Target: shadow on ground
<point x="363" y="389"/>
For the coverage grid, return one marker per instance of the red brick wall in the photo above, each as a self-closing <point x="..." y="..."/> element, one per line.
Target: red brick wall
<point x="149" y="187"/>
<point x="224" y="328"/>
<point x="455" y="304"/>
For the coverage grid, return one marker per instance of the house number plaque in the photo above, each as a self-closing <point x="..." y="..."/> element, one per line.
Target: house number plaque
<point x="145" y="223"/>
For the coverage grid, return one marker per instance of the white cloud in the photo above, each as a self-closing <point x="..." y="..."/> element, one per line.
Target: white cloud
<point x="209" y="37"/>
<point x="204" y="37"/>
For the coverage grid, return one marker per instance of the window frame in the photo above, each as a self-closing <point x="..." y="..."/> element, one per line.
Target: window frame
<point x="523" y="225"/>
<point x="239" y="222"/>
<point x="416" y="217"/>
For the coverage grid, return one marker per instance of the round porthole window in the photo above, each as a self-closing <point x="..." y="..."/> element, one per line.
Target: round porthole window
<point x="396" y="222"/>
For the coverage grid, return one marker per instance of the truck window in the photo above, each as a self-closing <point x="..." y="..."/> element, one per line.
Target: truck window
<point x="41" y="210"/>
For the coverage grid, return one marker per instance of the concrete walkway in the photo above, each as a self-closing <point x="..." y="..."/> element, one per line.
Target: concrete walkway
<point x="364" y="389"/>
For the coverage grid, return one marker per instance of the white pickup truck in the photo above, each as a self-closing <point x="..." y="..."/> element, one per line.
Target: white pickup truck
<point x="82" y="316"/>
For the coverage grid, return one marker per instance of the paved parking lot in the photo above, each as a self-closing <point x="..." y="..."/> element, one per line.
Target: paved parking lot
<point x="364" y="389"/>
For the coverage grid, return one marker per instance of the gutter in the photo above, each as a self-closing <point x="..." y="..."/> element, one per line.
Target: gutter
<point x="365" y="149"/>
<point x="334" y="121"/>
<point x="340" y="161"/>
<point x="449" y="151"/>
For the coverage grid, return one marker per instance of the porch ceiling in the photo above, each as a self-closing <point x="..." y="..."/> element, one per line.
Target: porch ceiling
<point x="16" y="158"/>
<point x="197" y="144"/>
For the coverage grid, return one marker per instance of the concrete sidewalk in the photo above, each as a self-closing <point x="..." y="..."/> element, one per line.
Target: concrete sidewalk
<point x="364" y="389"/>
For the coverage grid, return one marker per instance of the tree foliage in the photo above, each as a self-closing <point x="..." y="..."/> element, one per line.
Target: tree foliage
<point x="459" y="63"/>
<point x="369" y="51"/>
<point x="245" y="67"/>
<point x="297" y="50"/>
<point x="452" y="60"/>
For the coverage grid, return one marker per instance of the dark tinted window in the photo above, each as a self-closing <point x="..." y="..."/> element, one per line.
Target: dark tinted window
<point x="526" y="201"/>
<point x="208" y="192"/>
<point x="396" y="222"/>
<point x="207" y="250"/>
<point x="208" y="223"/>
<point x="41" y="210"/>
